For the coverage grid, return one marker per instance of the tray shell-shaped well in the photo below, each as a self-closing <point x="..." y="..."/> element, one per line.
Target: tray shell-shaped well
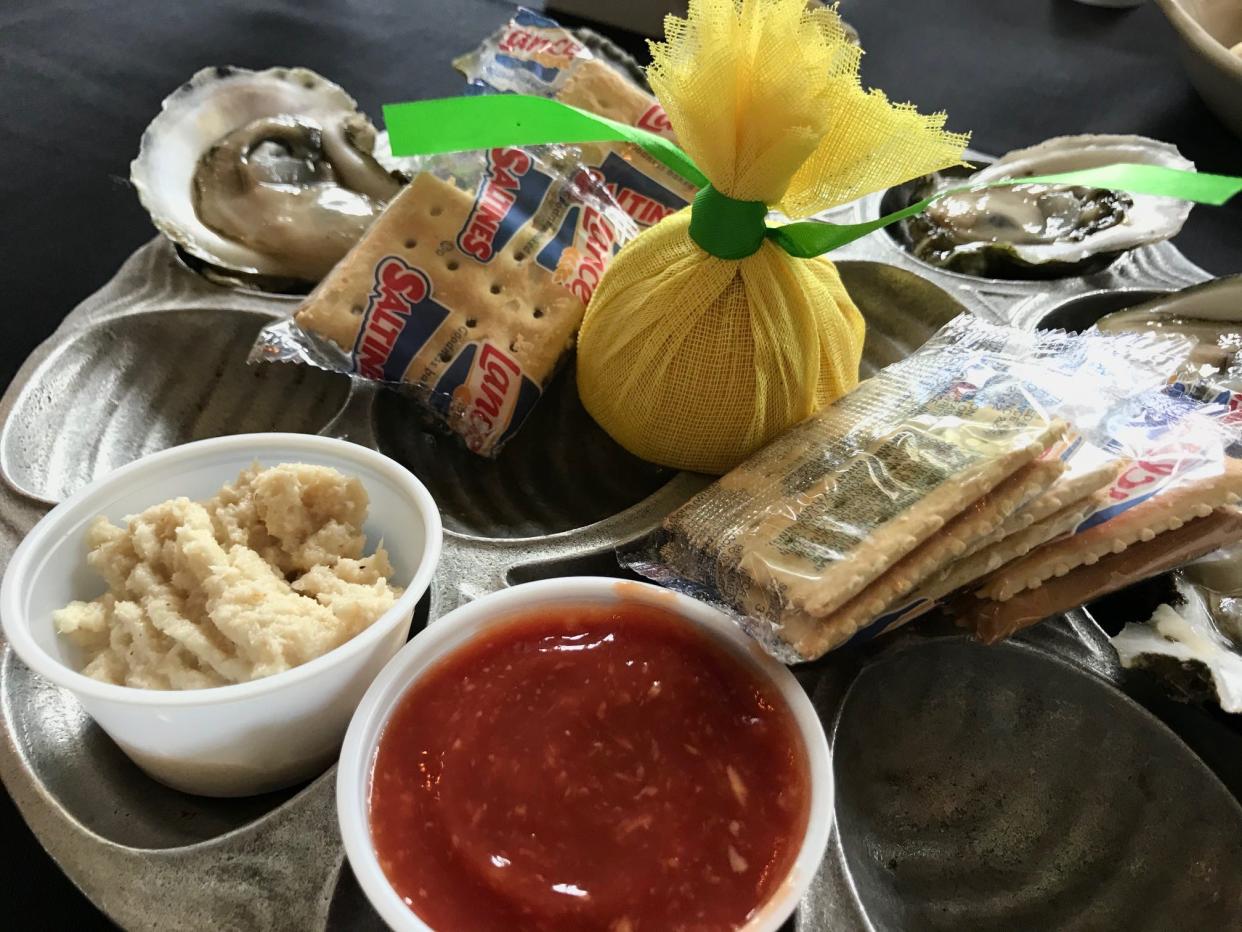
<point x="998" y="788"/>
<point x="126" y="387"/>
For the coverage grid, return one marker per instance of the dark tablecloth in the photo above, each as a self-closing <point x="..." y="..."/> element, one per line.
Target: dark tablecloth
<point x="80" y="80"/>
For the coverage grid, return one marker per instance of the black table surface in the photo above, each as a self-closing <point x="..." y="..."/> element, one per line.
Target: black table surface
<point x="80" y="80"/>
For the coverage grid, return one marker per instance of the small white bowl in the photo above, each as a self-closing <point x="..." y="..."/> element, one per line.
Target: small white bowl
<point x="231" y="740"/>
<point x="459" y="627"/>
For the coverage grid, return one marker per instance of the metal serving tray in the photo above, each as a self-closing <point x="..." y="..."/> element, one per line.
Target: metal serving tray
<point x="1007" y="787"/>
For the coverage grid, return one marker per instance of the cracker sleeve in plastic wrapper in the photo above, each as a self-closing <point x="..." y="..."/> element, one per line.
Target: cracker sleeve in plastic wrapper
<point x="813" y="540"/>
<point x="469" y="288"/>
<point x="532" y="54"/>
<point x="692" y="359"/>
<point x="1174" y="499"/>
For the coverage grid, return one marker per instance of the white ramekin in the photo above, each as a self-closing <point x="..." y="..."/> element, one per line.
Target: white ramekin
<point x="353" y="776"/>
<point x="245" y="738"/>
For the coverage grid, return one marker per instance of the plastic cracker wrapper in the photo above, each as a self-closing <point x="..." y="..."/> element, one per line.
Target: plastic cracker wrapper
<point x="1183" y="472"/>
<point x="838" y="520"/>
<point x="468" y="289"/>
<point x="1077" y="492"/>
<point x="993" y="621"/>
<point x="532" y="54"/>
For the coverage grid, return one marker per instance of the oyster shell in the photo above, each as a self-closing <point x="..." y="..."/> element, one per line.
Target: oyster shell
<point x="1195" y="647"/>
<point x="1039" y="230"/>
<point x="1210" y="313"/>
<point x="261" y="173"/>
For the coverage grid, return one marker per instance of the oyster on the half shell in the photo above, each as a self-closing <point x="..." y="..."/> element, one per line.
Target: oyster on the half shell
<point x="1041" y="230"/>
<point x="262" y="173"/>
<point x="1210" y="313"/>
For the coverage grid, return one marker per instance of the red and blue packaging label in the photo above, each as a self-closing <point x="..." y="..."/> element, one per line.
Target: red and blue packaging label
<point x="483" y="393"/>
<point x="399" y="319"/>
<point x="535" y="55"/>
<point x="557" y="218"/>
<point x="538" y="46"/>
<point x="511" y="191"/>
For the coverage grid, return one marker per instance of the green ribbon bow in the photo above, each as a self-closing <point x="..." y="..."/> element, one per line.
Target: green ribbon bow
<point x="721" y="225"/>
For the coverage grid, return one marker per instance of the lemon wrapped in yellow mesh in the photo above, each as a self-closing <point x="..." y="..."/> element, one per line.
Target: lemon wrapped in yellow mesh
<point x="693" y="360"/>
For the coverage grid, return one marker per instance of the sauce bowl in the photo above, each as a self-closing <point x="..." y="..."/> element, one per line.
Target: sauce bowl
<point x="244" y="738"/>
<point x="467" y="623"/>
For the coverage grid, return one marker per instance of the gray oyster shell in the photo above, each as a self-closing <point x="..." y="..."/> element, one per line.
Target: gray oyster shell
<point x="1210" y="313"/>
<point x="1045" y="231"/>
<point x="1196" y="646"/>
<point x="219" y="103"/>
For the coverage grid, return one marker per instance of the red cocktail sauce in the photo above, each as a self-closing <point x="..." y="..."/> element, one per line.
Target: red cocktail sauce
<point x="589" y="768"/>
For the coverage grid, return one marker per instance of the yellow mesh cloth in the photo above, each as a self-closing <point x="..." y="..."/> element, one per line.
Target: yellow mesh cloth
<point x="694" y="361"/>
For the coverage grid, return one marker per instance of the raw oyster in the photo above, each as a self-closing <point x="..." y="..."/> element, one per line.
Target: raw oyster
<point x="1210" y="313"/>
<point x="1036" y="231"/>
<point x="1196" y="645"/>
<point x="266" y="174"/>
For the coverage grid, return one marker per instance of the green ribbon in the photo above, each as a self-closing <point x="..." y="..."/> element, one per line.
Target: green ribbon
<point x="490" y="121"/>
<point x="721" y="225"/>
<point x="726" y="227"/>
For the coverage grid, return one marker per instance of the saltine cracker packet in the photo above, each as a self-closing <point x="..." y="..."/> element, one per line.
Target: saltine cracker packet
<point x="1183" y="467"/>
<point x="469" y="289"/>
<point x="821" y="536"/>
<point x="532" y="54"/>
<point x="991" y="621"/>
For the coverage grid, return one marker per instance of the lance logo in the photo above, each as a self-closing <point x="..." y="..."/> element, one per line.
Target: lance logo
<point x="387" y="340"/>
<point x="484" y="392"/>
<point x="1155" y="470"/>
<point x="589" y="262"/>
<point x="490" y="394"/>
<point x="656" y="121"/>
<point x="551" y="47"/>
<point x="1138" y="476"/>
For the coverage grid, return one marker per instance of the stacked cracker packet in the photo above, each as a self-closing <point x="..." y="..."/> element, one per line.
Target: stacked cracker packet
<point x="985" y="443"/>
<point x="1173" y="498"/>
<point x="532" y="54"/>
<point x="469" y="290"/>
